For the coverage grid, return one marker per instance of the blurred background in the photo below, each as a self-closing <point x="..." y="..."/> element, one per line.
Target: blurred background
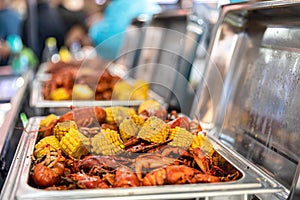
<point x="230" y="64"/>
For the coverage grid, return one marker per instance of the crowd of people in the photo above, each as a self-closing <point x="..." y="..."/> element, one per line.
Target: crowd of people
<point x="91" y="25"/>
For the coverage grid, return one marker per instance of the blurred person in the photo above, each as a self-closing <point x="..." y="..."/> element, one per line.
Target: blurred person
<point x="70" y="11"/>
<point x="49" y="24"/>
<point x="74" y="17"/>
<point x="10" y="24"/>
<point x="107" y="34"/>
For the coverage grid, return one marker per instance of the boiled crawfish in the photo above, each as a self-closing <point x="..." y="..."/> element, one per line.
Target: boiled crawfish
<point x="177" y="174"/>
<point x="205" y="163"/>
<point x="49" y="171"/>
<point x="147" y="162"/>
<point x="90" y="162"/>
<point x="86" y="181"/>
<point x="137" y="145"/>
<point x="125" y="177"/>
<point x="175" y="120"/>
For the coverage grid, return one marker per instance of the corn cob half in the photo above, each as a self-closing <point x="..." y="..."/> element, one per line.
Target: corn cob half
<point x="116" y="114"/>
<point x="108" y="142"/>
<point x="72" y="144"/>
<point x="60" y="129"/>
<point x="202" y="141"/>
<point x="60" y="94"/>
<point x="52" y="140"/>
<point x="154" y="130"/>
<point x="181" y="137"/>
<point x="138" y="120"/>
<point x="149" y="105"/>
<point x="47" y="120"/>
<point x="128" y="129"/>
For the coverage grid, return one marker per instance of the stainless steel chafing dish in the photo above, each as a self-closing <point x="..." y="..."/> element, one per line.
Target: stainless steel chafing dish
<point x="253" y="180"/>
<point x="38" y="101"/>
<point x="247" y="100"/>
<point x="249" y="93"/>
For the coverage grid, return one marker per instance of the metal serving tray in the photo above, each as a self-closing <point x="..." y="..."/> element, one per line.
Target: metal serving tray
<point x="253" y="180"/>
<point x="250" y="88"/>
<point x="37" y="100"/>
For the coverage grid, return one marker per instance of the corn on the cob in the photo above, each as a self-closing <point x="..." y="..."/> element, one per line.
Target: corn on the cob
<point x="122" y="90"/>
<point x="60" y="129"/>
<point x="60" y="94"/>
<point x="52" y="140"/>
<point x="82" y="91"/>
<point x="116" y="114"/>
<point x="128" y="129"/>
<point x="138" y="120"/>
<point x="149" y="105"/>
<point x="154" y="130"/>
<point x="202" y="141"/>
<point x="140" y="90"/>
<point x="72" y="144"/>
<point x="47" y="120"/>
<point x="180" y="137"/>
<point x="108" y="142"/>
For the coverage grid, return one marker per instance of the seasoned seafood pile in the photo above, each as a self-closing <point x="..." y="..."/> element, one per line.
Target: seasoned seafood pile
<point x="67" y="83"/>
<point x="123" y="147"/>
<point x="90" y="80"/>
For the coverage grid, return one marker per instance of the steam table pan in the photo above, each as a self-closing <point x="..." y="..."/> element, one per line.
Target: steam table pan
<point x="37" y="99"/>
<point x="249" y="94"/>
<point x="252" y="181"/>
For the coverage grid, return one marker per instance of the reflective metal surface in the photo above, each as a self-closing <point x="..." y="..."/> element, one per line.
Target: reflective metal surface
<point x="11" y="104"/>
<point x="4" y="108"/>
<point x="166" y="55"/>
<point x="295" y="189"/>
<point x="249" y="94"/>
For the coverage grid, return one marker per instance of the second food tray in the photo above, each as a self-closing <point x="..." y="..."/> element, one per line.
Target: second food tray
<point x="38" y="99"/>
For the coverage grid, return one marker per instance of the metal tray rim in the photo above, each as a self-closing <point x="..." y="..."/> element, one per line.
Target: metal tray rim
<point x="36" y="100"/>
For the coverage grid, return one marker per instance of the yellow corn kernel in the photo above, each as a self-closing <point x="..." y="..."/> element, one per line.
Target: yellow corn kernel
<point x="108" y="142"/>
<point x="122" y="90"/>
<point x="149" y="105"/>
<point x="140" y="90"/>
<point x="82" y="91"/>
<point x="60" y="129"/>
<point x="181" y="137"/>
<point x="202" y="141"/>
<point x="72" y="144"/>
<point x="138" y="120"/>
<point x="60" y="94"/>
<point x="117" y="114"/>
<point x="47" y="120"/>
<point x="52" y="140"/>
<point x="128" y="129"/>
<point x="154" y="130"/>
